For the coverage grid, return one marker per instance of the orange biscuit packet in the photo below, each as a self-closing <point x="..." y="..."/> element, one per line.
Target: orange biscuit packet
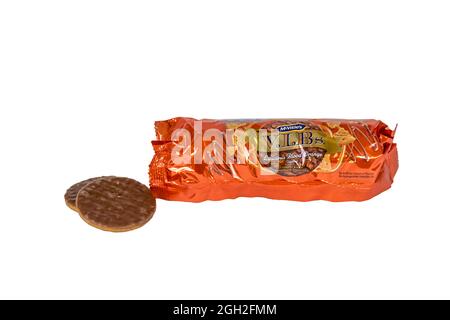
<point x="288" y="159"/>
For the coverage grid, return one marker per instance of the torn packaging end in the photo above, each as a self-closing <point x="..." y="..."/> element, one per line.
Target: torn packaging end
<point x="286" y="159"/>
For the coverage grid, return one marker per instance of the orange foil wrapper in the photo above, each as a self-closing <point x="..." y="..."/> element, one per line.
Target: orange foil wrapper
<point x="286" y="159"/>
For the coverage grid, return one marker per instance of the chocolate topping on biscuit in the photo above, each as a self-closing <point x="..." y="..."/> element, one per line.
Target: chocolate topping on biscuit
<point x="71" y="194"/>
<point x="116" y="204"/>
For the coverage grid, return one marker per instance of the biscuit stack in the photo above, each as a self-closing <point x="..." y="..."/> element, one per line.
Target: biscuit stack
<point x="112" y="203"/>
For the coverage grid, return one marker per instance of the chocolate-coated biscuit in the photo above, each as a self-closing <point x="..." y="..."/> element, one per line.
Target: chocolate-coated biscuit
<point x="71" y="194"/>
<point x="115" y="204"/>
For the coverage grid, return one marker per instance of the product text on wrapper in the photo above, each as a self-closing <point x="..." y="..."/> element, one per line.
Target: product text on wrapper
<point x="280" y="148"/>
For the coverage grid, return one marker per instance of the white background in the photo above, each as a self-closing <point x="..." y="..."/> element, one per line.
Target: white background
<point x="81" y="83"/>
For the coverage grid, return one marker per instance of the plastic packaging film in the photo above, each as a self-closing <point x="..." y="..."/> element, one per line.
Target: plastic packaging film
<point x="286" y="159"/>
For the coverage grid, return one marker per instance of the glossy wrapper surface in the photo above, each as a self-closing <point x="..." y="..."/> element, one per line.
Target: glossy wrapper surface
<point x="317" y="159"/>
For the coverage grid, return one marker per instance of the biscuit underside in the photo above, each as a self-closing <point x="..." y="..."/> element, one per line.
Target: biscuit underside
<point x="72" y="206"/>
<point x="112" y="229"/>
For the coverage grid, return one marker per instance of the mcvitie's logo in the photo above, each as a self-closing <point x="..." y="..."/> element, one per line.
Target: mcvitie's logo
<point x="291" y="127"/>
